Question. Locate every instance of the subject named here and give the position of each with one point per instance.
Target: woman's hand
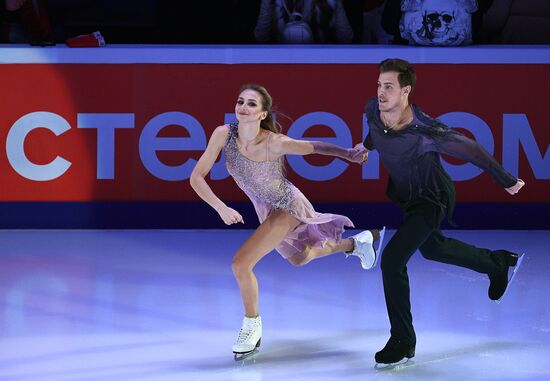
(515, 189)
(229, 215)
(359, 154)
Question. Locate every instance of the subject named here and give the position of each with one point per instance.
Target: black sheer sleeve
(451, 142)
(368, 143)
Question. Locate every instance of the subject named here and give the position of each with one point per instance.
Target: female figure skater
(255, 152)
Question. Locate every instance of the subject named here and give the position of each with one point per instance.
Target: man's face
(391, 96)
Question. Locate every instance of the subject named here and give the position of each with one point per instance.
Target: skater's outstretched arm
(203, 167)
(284, 145)
(449, 141)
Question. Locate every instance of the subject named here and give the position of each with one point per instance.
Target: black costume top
(411, 157)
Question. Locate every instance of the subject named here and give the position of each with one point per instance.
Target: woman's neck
(249, 135)
(248, 132)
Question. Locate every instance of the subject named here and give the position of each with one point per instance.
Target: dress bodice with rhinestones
(262, 181)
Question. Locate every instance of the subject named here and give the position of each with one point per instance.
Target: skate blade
(246, 355)
(379, 249)
(403, 363)
(516, 268)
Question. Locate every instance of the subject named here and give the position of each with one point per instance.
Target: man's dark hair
(406, 76)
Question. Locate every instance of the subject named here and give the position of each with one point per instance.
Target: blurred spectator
(354, 13)
(26, 21)
(436, 22)
(477, 20)
(372, 32)
(303, 22)
(391, 16)
(445, 17)
(269, 21)
(517, 22)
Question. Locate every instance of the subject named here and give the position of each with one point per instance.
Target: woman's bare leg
(330, 247)
(266, 237)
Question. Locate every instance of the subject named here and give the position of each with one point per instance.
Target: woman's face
(249, 107)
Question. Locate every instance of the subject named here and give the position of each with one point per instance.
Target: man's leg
(409, 237)
(452, 251)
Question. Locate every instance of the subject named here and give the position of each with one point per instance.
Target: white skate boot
(364, 247)
(249, 338)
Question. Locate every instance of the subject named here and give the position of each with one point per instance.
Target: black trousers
(421, 230)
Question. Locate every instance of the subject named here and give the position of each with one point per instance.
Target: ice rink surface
(124, 305)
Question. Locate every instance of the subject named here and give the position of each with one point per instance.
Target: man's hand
(515, 189)
(359, 154)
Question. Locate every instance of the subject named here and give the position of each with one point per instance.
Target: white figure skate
(249, 338)
(364, 247)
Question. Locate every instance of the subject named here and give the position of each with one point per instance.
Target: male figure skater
(409, 143)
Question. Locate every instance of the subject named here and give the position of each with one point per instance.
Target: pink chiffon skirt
(314, 230)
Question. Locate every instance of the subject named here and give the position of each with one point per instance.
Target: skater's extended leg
(360, 245)
(330, 247)
(493, 263)
(452, 251)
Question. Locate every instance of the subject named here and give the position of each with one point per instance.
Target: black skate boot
(395, 352)
(499, 279)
